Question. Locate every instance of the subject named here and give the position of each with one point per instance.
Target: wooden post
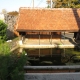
(51, 52)
(60, 36)
(51, 38)
(64, 35)
(20, 40)
(64, 44)
(64, 52)
(20, 50)
(39, 44)
(39, 52)
(39, 38)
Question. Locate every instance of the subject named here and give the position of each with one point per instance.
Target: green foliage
(4, 48)
(70, 54)
(3, 29)
(66, 3)
(11, 65)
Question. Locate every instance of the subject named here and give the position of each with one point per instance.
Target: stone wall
(10, 20)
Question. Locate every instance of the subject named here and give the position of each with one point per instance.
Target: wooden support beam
(51, 52)
(51, 38)
(64, 43)
(39, 38)
(64, 35)
(39, 52)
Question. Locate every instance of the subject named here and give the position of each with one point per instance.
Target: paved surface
(47, 42)
(52, 76)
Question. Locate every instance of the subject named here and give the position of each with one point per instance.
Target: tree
(3, 29)
(4, 11)
(65, 3)
(53, 3)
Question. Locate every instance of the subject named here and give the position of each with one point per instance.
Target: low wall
(52, 76)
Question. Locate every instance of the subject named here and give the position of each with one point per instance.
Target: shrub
(3, 29)
(11, 64)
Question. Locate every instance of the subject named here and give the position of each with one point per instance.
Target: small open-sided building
(43, 26)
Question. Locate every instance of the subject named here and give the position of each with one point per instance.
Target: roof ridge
(47, 8)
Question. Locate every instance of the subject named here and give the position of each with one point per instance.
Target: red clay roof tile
(56, 19)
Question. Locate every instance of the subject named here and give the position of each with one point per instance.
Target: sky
(14, 5)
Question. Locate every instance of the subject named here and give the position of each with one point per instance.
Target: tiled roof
(56, 19)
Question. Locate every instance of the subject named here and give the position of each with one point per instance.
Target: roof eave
(22, 30)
